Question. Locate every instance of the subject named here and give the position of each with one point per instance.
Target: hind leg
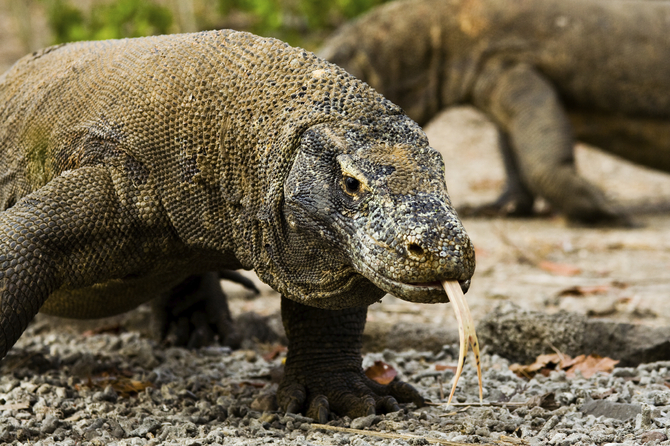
(195, 312)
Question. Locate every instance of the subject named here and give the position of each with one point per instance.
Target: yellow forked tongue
(466, 333)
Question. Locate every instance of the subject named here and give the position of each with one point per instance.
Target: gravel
(66, 388)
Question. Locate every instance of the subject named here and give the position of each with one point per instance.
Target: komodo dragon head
(372, 197)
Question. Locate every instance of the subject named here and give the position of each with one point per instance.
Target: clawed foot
(509, 204)
(323, 372)
(349, 394)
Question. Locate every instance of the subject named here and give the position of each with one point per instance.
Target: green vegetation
(109, 20)
(299, 22)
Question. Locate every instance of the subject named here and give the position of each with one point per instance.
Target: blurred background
(27, 25)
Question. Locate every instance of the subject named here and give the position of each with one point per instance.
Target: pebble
(204, 398)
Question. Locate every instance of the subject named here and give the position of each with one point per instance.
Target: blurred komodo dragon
(128, 166)
(544, 71)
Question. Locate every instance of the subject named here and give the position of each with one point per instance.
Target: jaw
(422, 292)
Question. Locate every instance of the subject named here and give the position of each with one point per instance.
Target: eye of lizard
(352, 185)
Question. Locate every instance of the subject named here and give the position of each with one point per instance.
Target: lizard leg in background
(525, 104)
(323, 371)
(69, 234)
(516, 200)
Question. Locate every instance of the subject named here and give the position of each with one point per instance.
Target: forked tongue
(466, 333)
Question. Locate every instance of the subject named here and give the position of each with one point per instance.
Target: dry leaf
(560, 269)
(123, 385)
(381, 372)
(276, 351)
(585, 290)
(443, 367)
(545, 364)
(591, 365)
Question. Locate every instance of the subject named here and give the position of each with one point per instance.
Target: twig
(523, 256)
(439, 381)
(561, 356)
(451, 414)
(484, 404)
(387, 435)
(513, 440)
(504, 440)
(14, 406)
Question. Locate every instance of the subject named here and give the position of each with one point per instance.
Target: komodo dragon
(129, 165)
(541, 70)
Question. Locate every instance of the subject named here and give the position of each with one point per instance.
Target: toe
(405, 393)
(387, 404)
(319, 409)
(292, 398)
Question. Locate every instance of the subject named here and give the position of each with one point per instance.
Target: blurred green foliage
(298, 22)
(110, 20)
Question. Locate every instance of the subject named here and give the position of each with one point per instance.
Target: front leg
(74, 232)
(323, 371)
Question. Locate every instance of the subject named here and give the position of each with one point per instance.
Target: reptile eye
(352, 185)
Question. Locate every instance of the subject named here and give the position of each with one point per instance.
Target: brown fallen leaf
(443, 367)
(276, 350)
(545, 364)
(591, 365)
(122, 385)
(466, 333)
(381, 372)
(585, 290)
(560, 269)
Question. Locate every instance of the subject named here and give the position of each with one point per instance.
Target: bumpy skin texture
(129, 167)
(545, 72)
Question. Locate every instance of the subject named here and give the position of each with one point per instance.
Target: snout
(416, 263)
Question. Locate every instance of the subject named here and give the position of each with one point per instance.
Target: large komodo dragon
(127, 166)
(544, 71)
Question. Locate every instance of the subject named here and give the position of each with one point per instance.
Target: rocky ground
(64, 384)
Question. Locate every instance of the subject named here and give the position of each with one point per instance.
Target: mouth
(465, 284)
(420, 292)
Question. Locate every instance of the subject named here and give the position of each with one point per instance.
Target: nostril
(415, 250)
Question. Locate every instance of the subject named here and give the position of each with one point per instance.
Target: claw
(293, 406)
(405, 393)
(370, 403)
(319, 409)
(387, 404)
(292, 398)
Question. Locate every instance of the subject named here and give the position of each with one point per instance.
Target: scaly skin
(131, 168)
(541, 70)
